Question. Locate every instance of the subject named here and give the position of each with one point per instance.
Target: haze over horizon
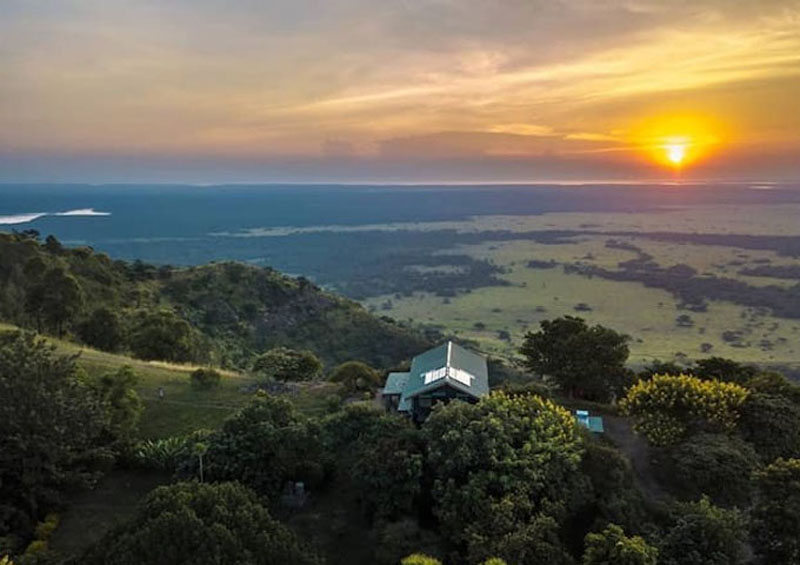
(398, 91)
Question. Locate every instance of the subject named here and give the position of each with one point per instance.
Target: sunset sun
(676, 153)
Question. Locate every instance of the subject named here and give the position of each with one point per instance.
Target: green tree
(587, 361)
(380, 456)
(163, 335)
(771, 423)
(726, 370)
(286, 364)
(776, 515)
(501, 469)
(613, 547)
(420, 559)
(264, 445)
(50, 432)
(103, 329)
(123, 407)
(666, 407)
(717, 465)
(356, 376)
(704, 534)
(199, 524)
(58, 297)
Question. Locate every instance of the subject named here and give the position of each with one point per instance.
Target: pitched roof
(395, 383)
(449, 364)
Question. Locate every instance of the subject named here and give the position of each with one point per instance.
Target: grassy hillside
(223, 313)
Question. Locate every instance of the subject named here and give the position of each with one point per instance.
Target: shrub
(286, 364)
(205, 378)
(356, 376)
(666, 407)
(612, 546)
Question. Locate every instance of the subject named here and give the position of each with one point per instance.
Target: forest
(699, 463)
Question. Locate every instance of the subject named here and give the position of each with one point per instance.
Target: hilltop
(221, 313)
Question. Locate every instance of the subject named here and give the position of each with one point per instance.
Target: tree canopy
(50, 437)
(502, 468)
(613, 547)
(776, 516)
(666, 407)
(286, 364)
(587, 361)
(198, 524)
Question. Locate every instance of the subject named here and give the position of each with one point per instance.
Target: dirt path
(620, 431)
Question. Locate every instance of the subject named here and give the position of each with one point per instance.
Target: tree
(103, 330)
(717, 465)
(264, 445)
(50, 432)
(771, 423)
(588, 361)
(380, 456)
(199, 524)
(726, 370)
(613, 547)
(116, 391)
(776, 515)
(420, 559)
(286, 364)
(205, 378)
(356, 376)
(501, 469)
(666, 407)
(704, 534)
(57, 298)
(163, 335)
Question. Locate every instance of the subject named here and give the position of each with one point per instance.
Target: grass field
(647, 314)
(184, 409)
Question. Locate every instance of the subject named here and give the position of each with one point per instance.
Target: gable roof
(449, 364)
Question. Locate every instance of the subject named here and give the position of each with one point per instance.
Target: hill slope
(222, 313)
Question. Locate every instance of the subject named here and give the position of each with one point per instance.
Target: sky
(398, 90)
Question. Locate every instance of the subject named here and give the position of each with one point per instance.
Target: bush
(666, 407)
(356, 376)
(716, 465)
(286, 364)
(205, 379)
(612, 546)
(704, 534)
(776, 515)
(202, 524)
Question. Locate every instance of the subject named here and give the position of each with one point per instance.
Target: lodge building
(440, 374)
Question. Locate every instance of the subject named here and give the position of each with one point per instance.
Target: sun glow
(676, 153)
(677, 141)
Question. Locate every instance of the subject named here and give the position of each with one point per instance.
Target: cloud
(286, 80)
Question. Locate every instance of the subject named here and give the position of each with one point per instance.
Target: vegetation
(776, 516)
(509, 479)
(613, 547)
(356, 376)
(587, 361)
(203, 524)
(54, 432)
(205, 378)
(223, 313)
(502, 471)
(666, 408)
(286, 364)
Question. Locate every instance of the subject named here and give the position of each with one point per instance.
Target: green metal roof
(451, 365)
(395, 383)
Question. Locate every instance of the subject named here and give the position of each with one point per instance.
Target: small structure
(591, 423)
(440, 374)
